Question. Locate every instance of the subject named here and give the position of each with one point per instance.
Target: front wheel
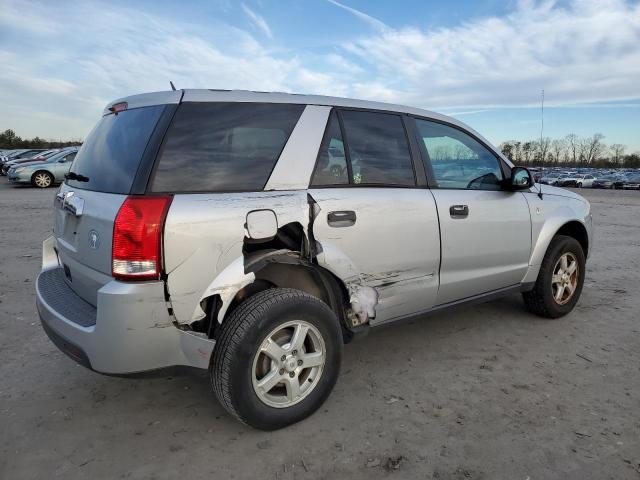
(277, 358)
(559, 283)
(42, 180)
(579, 185)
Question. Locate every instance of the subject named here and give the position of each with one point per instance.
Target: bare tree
(591, 148)
(558, 148)
(527, 151)
(507, 149)
(572, 147)
(542, 148)
(517, 152)
(617, 153)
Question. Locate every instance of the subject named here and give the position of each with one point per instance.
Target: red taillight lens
(137, 238)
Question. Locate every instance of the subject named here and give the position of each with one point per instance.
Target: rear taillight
(137, 238)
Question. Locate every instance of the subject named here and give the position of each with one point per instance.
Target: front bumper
(129, 331)
(18, 178)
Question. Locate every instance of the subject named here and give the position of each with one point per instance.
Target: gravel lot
(485, 392)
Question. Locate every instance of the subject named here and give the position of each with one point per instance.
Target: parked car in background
(604, 182)
(7, 154)
(39, 157)
(586, 181)
(44, 173)
(622, 178)
(632, 183)
(212, 229)
(550, 178)
(24, 154)
(14, 154)
(578, 180)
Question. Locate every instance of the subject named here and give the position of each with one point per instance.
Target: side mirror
(521, 179)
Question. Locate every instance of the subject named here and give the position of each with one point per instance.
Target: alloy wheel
(288, 364)
(564, 280)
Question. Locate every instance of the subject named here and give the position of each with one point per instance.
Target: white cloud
(123, 51)
(585, 52)
(257, 20)
(582, 52)
(372, 21)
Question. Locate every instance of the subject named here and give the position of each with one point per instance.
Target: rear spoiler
(146, 100)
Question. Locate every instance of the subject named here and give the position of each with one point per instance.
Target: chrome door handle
(459, 211)
(343, 218)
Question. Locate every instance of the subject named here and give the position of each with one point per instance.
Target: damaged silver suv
(253, 234)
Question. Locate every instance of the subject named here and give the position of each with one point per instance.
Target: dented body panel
(393, 247)
(204, 235)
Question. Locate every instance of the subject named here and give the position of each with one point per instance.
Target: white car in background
(585, 181)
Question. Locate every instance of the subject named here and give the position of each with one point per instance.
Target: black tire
(540, 300)
(240, 337)
(44, 173)
(579, 185)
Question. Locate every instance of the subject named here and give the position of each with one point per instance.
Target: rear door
(87, 204)
(376, 225)
(485, 231)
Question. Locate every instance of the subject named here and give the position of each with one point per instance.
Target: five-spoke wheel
(276, 358)
(560, 280)
(565, 278)
(289, 364)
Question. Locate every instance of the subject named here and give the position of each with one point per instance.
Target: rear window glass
(222, 147)
(110, 155)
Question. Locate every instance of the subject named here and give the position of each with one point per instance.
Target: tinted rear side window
(222, 147)
(378, 149)
(110, 155)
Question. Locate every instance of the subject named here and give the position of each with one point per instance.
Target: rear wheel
(579, 185)
(42, 179)
(277, 358)
(560, 280)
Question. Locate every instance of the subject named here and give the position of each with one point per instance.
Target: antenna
(541, 137)
(173, 87)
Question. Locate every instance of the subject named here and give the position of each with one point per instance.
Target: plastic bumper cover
(129, 331)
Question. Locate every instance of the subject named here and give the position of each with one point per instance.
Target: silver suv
(253, 234)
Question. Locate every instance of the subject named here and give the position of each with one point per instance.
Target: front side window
(458, 160)
(223, 147)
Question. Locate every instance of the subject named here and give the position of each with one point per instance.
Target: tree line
(9, 140)
(570, 151)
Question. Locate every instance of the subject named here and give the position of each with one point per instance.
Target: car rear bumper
(129, 331)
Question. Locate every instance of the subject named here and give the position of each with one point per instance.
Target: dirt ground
(484, 392)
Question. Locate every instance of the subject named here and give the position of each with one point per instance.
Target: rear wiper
(75, 176)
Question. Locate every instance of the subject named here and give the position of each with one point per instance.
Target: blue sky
(484, 62)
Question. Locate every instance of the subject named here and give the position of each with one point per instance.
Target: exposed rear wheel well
(307, 277)
(576, 230)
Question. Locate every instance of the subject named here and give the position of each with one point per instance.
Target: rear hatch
(112, 163)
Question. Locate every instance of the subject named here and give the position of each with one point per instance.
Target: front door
(485, 231)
